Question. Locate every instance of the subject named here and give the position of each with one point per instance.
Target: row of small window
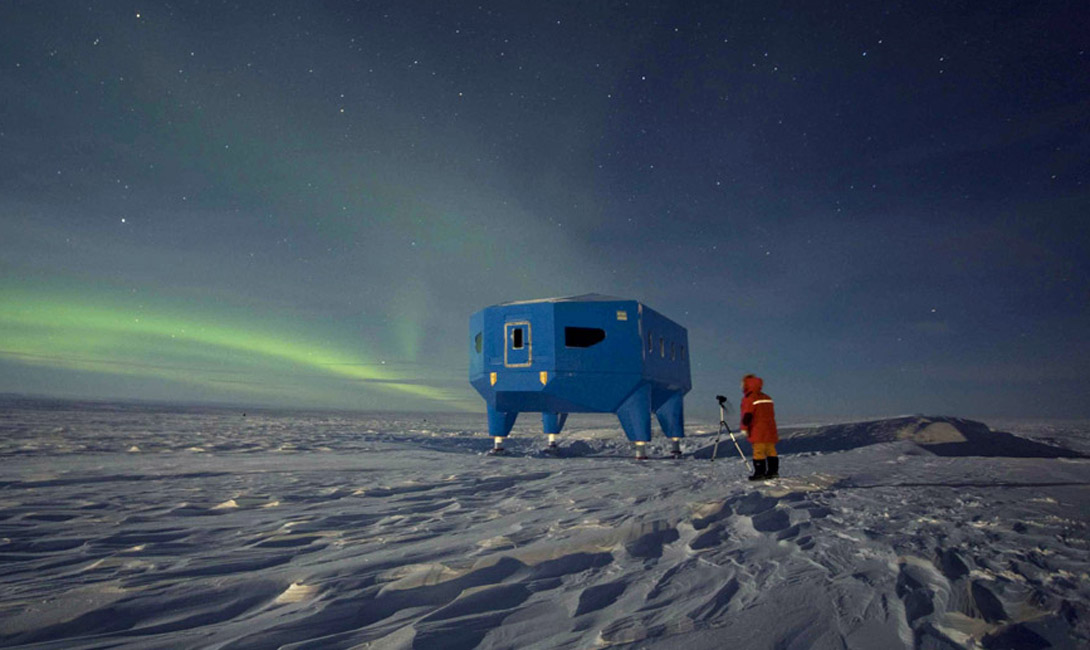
(675, 350)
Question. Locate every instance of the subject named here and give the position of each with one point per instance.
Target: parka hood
(752, 384)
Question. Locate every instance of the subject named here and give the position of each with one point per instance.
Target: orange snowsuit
(758, 418)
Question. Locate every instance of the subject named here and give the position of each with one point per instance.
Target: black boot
(759, 469)
(773, 467)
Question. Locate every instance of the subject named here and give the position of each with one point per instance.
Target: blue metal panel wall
(619, 351)
(476, 359)
(665, 361)
(539, 352)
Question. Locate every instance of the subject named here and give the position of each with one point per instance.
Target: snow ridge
(396, 531)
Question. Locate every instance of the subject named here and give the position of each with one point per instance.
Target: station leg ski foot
(497, 449)
(552, 449)
(675, 448)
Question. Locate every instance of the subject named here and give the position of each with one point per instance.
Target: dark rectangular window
(673, 352)
(683, 353)
(650, 342)
(477, 342)
(583, 337)
(516, 338)
(662, 347)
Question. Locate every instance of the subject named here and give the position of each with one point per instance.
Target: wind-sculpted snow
(150, 528)
(943, 436)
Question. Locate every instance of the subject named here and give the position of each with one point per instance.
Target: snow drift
(306, 530)
(942, 436)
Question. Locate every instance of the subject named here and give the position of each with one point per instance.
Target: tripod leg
(740, 452)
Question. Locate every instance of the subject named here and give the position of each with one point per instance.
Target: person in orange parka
(759, 426)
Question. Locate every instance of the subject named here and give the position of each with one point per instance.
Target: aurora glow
(881, 210)
(102, 338)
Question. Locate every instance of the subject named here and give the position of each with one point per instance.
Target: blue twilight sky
(879, 207)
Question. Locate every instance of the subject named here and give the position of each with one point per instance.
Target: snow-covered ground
(136, 526)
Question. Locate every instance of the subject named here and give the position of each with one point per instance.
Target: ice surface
(131, 526)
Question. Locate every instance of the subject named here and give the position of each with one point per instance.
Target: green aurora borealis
(65, 332)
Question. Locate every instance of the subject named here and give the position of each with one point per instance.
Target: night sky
(882, 208)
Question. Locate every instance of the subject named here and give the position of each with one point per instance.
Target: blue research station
(580, 354)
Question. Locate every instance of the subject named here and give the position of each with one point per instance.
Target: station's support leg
(499, 425)
(552, 423)
(671, 417)
(635, 416)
